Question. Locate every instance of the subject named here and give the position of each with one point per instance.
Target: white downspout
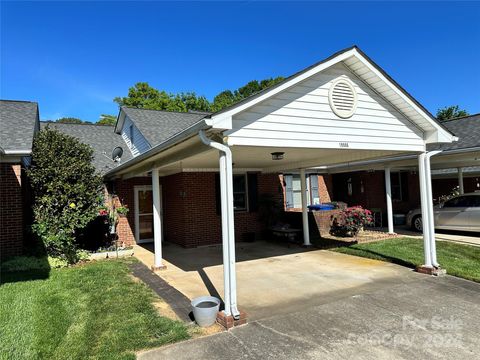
(388, 191)
(431, 219)
(228, 227)
(424, 206)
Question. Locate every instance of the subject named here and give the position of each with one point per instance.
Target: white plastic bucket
(205, 309)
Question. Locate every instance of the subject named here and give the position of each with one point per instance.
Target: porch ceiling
(259, 158)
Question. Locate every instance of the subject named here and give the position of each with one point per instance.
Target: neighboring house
(19, 121)
(198, 178)
(453, 168)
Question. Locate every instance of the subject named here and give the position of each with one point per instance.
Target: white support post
(424, 206)
(460, 180)
(431, 219)
(388, 190)
(231, 235)
(303, 190)
(157, 220)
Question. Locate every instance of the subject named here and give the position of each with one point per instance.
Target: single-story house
(19, 121)
(205, 173)
(200, 178)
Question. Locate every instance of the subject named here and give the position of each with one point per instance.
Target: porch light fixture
(277, 155)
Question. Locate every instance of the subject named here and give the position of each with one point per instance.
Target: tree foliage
(106, 119)
(69, 120)
(142, 95)
(450, 112)
(67, 191)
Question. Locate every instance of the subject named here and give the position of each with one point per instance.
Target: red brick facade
(190, 216)
(368, 190)
(11, 210)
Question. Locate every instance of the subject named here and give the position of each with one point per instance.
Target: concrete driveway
(437, 318)
(273, 279)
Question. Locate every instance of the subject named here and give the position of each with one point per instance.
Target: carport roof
(358, 63)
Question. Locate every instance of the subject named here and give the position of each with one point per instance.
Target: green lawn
(459, 260)
(92, 311)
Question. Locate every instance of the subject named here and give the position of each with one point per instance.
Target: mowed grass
(92, 311)
(459, 260)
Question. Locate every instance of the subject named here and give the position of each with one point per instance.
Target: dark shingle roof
(466, 128)
(101, 138)
(158, 126)
(18, 123)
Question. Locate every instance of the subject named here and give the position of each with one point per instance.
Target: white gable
(138, 144)
(383, 108)
(301, 116)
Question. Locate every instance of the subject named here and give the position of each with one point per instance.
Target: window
(240, 192)
(293, 192)
(131, 134)
(399, 184)
(461, 201)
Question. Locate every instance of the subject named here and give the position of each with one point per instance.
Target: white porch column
(424, 206)
(303, 190)
(388, 190)
(431, 218)
(157, 220)
(460, 180)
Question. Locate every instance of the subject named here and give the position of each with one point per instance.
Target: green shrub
(67, 191)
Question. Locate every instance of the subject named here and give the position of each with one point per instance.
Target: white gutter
(17, 152)
(431, 224)
(228, 227)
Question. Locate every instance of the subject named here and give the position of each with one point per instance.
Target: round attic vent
(343, 98)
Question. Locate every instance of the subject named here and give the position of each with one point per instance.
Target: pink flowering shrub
(350, 221)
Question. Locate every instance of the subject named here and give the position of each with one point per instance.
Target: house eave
(143, 159)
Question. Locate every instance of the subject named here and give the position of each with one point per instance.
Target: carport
(343, 109)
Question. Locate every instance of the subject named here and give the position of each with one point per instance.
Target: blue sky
(74, 58)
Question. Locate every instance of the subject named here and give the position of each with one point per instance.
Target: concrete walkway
(461, 237)
(436, 318)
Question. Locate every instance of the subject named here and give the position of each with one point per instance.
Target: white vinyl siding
(139, 144)
(302, 117)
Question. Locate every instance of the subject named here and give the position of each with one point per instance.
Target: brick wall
(373, 195)
(190, 214)
(444, 186)
(11, 210)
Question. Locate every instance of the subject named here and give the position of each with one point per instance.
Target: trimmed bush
(67, 191)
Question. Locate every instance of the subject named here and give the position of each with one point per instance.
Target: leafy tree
(69, 120)
(142, 95)
(67, 191)
(106, 119)
(450, 112)
(227, 97)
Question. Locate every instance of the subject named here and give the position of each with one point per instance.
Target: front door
(144, 214)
